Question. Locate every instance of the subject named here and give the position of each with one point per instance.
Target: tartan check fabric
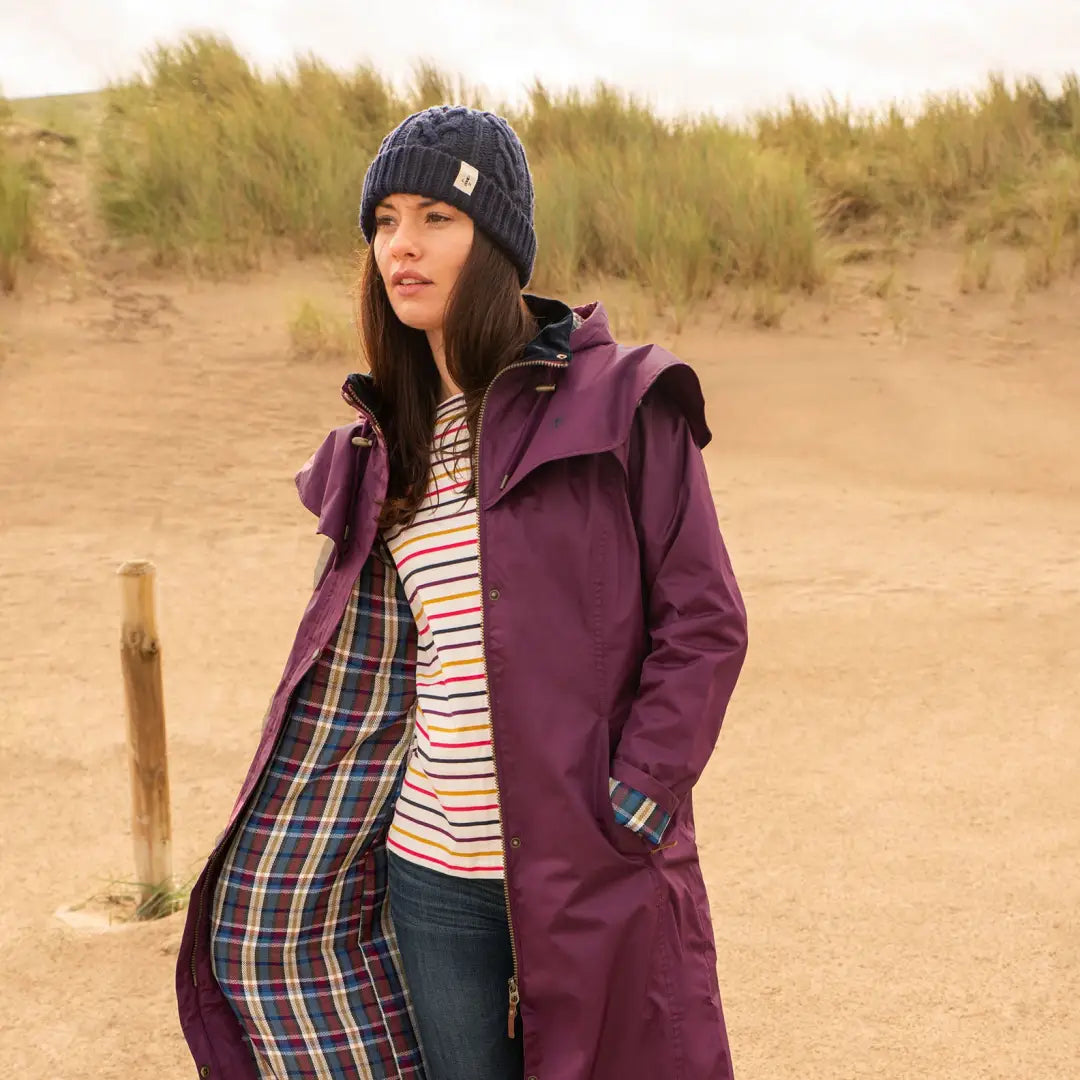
(302, 945)
(637, 812)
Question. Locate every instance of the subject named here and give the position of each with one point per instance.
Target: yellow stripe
(457, 596)
(458, 477)
(443, 847)
(471, 727)
(450, 794)
(429, 536)
(431, 673)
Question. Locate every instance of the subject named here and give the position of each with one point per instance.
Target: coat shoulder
(611, 381)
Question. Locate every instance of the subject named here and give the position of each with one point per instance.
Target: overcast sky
(728, 56)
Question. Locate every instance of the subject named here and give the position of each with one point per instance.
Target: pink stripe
(449, 487)
(428, 551)
(451, 614)
(440, 862)
(459, 745)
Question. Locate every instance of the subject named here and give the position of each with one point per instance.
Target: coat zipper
(198, 918)
(370, 417)
(514, 994)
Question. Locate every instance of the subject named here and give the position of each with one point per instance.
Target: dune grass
(316, 334)
(211, 165)
(1001, 166)
(17, 206)
(677, 209)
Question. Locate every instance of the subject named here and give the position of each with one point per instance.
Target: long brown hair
(486, 327)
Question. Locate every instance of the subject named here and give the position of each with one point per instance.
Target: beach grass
(206, 163)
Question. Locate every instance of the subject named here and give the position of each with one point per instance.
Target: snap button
(494, 594)
(359, 440)
(204, 1070)
(560, 356)
(315, 655)
(515, 841)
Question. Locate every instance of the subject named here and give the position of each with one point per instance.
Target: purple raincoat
(614, 634)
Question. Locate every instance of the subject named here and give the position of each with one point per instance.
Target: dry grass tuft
(767, 307)
(976, 272)
(18, 173)
(316, 335)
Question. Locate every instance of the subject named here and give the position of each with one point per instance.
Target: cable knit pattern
(423, 156)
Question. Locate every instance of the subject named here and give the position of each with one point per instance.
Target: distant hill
(71, 114)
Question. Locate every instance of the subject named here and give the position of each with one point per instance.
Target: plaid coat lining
(302, 943)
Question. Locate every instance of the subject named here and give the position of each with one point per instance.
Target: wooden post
(140, 658)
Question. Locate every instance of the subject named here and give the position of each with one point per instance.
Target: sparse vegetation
(316, 335)
(977, 267)
(120, 901)
(17, 206)
(767, 307)
(211, 165)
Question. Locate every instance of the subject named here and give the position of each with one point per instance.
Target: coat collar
(599, 386)
(559, 326)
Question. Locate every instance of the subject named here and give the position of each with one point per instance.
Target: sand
(890, 826)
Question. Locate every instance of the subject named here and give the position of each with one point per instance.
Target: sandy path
(891, 825)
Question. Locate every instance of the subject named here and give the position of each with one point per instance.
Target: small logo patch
(466, 178)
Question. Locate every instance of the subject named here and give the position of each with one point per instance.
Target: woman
(465, 847)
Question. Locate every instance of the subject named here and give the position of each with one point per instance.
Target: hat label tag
(466, 178)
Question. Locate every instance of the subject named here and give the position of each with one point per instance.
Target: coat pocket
(624, 839)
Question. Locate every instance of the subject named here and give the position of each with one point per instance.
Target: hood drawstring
(528, 429)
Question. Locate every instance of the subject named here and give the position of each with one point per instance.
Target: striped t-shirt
(447, 816)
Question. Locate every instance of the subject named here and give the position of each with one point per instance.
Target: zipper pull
(515, 997)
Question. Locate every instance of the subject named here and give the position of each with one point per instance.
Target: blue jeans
(455, 952)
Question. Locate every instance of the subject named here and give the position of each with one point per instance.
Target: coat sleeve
(694, 612)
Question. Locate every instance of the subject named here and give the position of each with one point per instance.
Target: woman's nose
(403, 242)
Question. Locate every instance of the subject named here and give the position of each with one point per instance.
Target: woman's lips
(411, 290)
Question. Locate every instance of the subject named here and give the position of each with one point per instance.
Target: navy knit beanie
(465, 157)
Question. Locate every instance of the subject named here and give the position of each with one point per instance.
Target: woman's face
(420, 240)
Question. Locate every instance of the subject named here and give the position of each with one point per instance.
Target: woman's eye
(436, 217)
(380, 221)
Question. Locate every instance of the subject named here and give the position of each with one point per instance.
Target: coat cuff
(637, 812)
(652, 789)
